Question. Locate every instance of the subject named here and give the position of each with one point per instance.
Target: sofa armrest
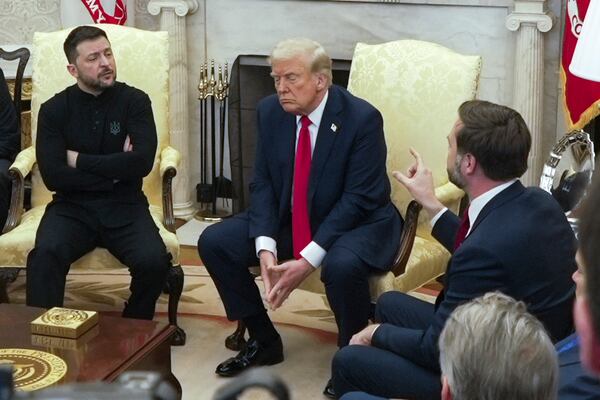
(169, 160)
(19, 169)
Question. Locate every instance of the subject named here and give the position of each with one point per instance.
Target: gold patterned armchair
(143, 62)
(418, 87)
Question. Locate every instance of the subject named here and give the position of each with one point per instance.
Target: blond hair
(318, 60)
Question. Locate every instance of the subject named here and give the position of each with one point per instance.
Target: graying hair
(318, 59)
(491, 348)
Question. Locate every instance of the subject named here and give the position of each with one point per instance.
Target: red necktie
(462, 229)
(300, 222)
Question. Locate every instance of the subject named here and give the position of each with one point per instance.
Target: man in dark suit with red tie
(331, 208)
(512, 239)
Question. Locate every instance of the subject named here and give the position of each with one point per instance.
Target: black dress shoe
(328, 391)
(253, 354)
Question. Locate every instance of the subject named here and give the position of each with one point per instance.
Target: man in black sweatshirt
(96, 141)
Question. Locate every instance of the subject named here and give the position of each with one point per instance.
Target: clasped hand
(281, 279)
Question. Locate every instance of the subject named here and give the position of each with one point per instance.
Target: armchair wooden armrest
(169, 160)
(19, 169)
(407, 238)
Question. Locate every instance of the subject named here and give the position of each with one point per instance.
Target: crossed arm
(65, 169)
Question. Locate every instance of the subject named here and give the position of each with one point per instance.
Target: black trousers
(227, 251)
(5, 187)
(67, 232)
(381, 372)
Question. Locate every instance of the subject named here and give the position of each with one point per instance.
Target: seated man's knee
(210, 239)
(347, 367)
(47, 254)
(346, 357)
(386, 301)
(342, 266)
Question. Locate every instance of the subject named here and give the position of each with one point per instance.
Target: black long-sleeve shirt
(10, 138)
(96, 127)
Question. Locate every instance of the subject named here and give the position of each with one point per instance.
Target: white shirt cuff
(314, 254)
(437, 216)
(265, 243)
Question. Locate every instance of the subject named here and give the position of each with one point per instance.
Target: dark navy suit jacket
(575, 383)
(522, 245)
(349, 190)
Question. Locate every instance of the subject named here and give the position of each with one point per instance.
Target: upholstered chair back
(142, 60)
(418, 87)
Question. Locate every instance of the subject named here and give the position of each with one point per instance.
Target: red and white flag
(581, 96)
(80, 12)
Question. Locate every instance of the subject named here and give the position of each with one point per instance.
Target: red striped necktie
(463, 228)
(301, 234)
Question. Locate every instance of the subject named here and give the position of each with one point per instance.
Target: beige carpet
(107, 292)
(305, 323)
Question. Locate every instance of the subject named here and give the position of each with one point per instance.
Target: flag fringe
(586, 117)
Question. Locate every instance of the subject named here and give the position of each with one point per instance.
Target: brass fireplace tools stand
(212, 88)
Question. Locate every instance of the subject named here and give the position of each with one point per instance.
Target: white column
(530, 20)
(172, 19)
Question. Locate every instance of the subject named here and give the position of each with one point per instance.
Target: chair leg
(175, 288)
(236, 340)
(7, 276)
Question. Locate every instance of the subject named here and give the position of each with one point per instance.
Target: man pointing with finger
(320, 196)
(511, 239)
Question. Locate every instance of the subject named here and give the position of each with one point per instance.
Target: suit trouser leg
(346, 280)
(227, 251)
(384, 373)
(60, 240)
(400, 309)
(140, 247)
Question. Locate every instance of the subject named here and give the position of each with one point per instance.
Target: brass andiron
(212, 88)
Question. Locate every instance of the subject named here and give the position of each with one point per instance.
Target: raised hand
(419, 182)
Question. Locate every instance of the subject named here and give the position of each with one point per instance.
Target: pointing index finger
(416, 155)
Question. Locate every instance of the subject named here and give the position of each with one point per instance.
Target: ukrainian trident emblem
(115, 127)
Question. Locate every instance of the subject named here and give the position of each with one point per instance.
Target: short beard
(455, 176)
(98, 84)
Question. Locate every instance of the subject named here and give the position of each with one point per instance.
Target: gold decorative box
(65, 342)
(64, 322)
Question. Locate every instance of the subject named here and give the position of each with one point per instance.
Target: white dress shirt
(477, 204)
(313, 253)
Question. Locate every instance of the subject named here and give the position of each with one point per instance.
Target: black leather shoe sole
(328, 391)
(234, 366)
(249, 357)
